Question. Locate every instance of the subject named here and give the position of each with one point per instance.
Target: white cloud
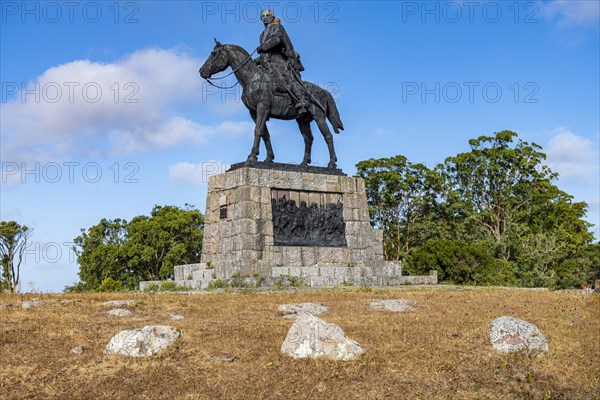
(573, 12)
(85, 108)
(593, 204)
(577, 161)
(229, 107)
(573, 157)
(235, 129)
(196, 173)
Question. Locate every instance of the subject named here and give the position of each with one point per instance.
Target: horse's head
(216, 62)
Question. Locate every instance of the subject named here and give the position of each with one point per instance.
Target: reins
(232, 72)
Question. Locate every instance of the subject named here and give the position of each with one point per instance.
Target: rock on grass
(119, 303)
(392, 305)
(311, 337)
(143, 342)
(292, 310)
(120, 312)
(509, 335)
(31, 303)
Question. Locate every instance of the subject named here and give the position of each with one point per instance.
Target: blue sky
(103, 113)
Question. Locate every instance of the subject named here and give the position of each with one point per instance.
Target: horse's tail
(333, 115)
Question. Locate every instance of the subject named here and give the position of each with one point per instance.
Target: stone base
(198, 277)
(239, 235)
(240, 241)
(287, 167)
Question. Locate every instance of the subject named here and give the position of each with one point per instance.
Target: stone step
(389, 269)
(319, 277)
(338, 273)
(204, 274)
(193, 271)
(383, 269)
(196, 284)
(145, 284)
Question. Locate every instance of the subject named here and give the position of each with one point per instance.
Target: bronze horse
(264, 102)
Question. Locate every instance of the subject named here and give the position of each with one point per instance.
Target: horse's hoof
(269, 159)
(332, 165)
(251, 159)
(305, 163)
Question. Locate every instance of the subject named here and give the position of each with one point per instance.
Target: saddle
(278, 85)
(279, 89)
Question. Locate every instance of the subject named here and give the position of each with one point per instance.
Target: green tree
(496, 186)
(496, 202)
(99, 251)
(401, 197)
(170, 236)
(146, 248)
(554, 244)
(13, 242)
(501, 194)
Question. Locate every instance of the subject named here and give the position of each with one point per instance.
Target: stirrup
(302, 108)
(302, 111)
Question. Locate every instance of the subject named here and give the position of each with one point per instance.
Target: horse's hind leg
(308, 140)
(266, 137)
(322, 124)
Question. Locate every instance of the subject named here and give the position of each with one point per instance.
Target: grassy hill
(441, 351)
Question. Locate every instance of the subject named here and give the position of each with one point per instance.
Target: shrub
(151, 288)
(259, 279)
(168, 286)
(79, 287)
(110, 285)
(295, 282)
(216, 284)
(237, 280)
(460, 263)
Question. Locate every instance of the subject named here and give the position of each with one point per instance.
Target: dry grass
(442, 351)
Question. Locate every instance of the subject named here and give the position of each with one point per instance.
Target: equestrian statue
(273, 88)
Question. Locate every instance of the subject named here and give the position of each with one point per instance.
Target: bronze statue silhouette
(281, 60)
(264, 101)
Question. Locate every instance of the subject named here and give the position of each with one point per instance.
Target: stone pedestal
(309, 225)
(239, 236)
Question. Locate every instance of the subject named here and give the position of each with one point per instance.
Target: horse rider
(278, 57)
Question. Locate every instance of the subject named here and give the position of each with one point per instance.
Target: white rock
(31, 303)
(227, 358)
(78, 350)
(119, 303)
(292, 310)
(509, 335)
(143, 342)
(312, 337)
(120, 312)
(176, 317)
(392, 305)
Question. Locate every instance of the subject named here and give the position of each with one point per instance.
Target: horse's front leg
(266, 139)
(259, 126)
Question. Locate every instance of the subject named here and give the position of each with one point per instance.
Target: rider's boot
(301, 98)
